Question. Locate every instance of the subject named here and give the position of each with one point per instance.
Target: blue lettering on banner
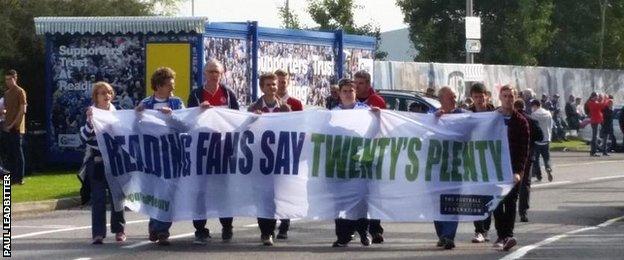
(246, 164)
(266, 164)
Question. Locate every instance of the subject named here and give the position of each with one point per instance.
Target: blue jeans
(15, 155)
(446, 229)
(98, 204)
(544, 151)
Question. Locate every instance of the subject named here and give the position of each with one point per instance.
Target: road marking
(550, 184)
(147, 242)
(607, 178)
(44, 226)
(586, 163)
(524, 250)
(70, 229)
(83, 258)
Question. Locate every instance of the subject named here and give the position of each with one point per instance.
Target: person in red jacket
(364, 91)
(595, 106)
(283, 80)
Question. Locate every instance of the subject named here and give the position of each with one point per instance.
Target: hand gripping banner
(315, 164)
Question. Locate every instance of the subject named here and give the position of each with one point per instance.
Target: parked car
(411, 101)
(585, 133)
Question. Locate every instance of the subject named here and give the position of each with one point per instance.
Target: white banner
(316, 164)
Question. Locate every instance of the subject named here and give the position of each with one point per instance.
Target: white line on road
(550, 184)
(83, 258)
(524, 250)
(69, 229)
(607, 177)
(587, 163)
(44, 226)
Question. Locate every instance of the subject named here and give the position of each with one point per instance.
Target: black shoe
(339, 244)
(4, 171)
(594, 155)
(448, 244)
(440, 243)
(377, 238)
(605, 154)
(226, 234)
(282, 235)
(365, 240)
(523, 218)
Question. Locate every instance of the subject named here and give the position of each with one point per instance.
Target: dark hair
(160, 76)
(11, 72)
(478, 88)
(344, 82)
(519, 104)
(535, 102)
(362, 74)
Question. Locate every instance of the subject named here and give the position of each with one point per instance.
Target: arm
(520, 148)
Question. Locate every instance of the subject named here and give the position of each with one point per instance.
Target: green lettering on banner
(444, 173)
(344, 156)
(411, 171)
(356, 143)
(381, 143)
(433, 157)
(495, 151)
(317, 139)
(395, 148)
(470, 170)
(457, 150)
(481, 146)
(366, 161)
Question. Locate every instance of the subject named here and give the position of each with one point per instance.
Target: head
(578, 100)
(519, 105)
(268, 84)
(10, 78)
(535, 105)
(163, 81)
(507, 96)
(282, 82)
(571, 98)
(213, 72)
(334, 91)
(447, 98)
(478, 93)
(347, 91)
(362, 81)
(593, 96)
(102, 94)
(430, 92)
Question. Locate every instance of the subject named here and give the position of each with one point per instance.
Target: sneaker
(267, 240)
(478, 238)
(440, 243)
(98, 240)
(120, 237)
(550, 177)
(485, 236)
(605, 154)
(282, 235)
(499, 242)
(509, 243)
(377, 238)
(338, 244)
(365, 240)
(163, 239)
(226, 234)
(449, 244)
(523, 218)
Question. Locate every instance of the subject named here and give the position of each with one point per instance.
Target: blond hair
(101, 85)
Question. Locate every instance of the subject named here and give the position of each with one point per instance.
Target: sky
(383, 13)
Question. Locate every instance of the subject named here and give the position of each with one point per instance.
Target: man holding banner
(213, 94)
(446, 230)
(518, 135)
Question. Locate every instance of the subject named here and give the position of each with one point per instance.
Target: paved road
(568, 219)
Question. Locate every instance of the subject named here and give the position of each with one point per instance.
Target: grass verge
(46, 186)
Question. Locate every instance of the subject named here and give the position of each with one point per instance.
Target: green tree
(513, 32)
(289, 18)
(21, 49)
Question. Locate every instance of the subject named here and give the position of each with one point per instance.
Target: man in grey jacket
(545, 121)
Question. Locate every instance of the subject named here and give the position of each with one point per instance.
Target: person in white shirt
(545, 121)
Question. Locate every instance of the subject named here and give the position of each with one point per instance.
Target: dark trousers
(594, 139)
(284, 225)
(542, 150)
(98, 204)
(200, 226)
(446, 229)
(267, 226)
(344, 229)
(608, 136)
(525, 189)
(373, 226)
(159, 227)
(15, 155)
(483, 226)
(505, 214)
